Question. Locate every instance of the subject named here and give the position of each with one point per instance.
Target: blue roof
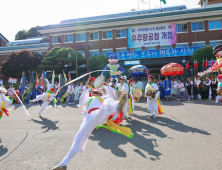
(32, 40)
(24, 46)
(133, 17)
(170, 8)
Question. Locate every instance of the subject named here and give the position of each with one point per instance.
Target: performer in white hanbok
(47, 97)
(76, 93)
(98, 108)
(219, 96)
(152, 104)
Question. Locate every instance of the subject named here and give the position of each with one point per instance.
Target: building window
(124, 49)
(81, 37)
(198, 26)
(82, 52)
(164, 47)
(182, 46)
(214, 25)
(215, 43)
(109, 50)
(56, 39)
(107, 35)
(181, 28)
(120, 33)
(40, 53)
(93, 36)
(150, 48)
(198, 44)
(68, 38)
(93, 52)
(135, 49)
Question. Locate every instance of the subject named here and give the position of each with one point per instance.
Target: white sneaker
(178, 99)
(31, 101)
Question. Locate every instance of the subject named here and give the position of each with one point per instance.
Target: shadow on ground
(3, 150)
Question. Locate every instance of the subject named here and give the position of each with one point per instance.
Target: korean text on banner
(12, 80)
(152, 35)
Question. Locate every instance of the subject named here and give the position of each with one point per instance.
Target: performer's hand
(48, 100)
(119, 72)
(1, 91)
(105, 84)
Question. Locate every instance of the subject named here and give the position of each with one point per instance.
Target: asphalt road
(188, 136)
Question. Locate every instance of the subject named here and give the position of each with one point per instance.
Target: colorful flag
(164, 1)
(37, 79)
(63, 92)
(203, 64)
(42, 82)
(31, 88)
(65, 79)
(206, 63)
(23, 86)
(69, 77)
(53, 75)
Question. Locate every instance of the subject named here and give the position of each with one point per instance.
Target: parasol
(138, 71)
(172, 69)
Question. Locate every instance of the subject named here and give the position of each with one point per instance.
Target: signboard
(12, 80)
(135, 62)
(164, 34)
(169, 52)
(1, 81)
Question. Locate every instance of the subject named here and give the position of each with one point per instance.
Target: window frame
(147, 48)
(181, 29)
(199, 42)
(107, 34)
(93, 36)
(124, 48)
(68, 38)
(214, 25)
(120, 32)
(92, 51)
(57, 39)
(80, 34)
(197, 27)
(107, 49)
(216, 41)
(136, 48)
(186, 43)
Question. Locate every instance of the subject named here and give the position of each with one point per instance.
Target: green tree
(17, 62)
(32, 32)
(57, 60)
(21, 35)
(202, 54)
(97, 62)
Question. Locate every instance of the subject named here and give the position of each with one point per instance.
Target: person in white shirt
(182, 91)
(76, 93)
(189, 85)
(98, 108)
(81, 88)
(71, 92)
(152, 104)
(139, 85)
(174, 88)
(198, 89)
(208, 91)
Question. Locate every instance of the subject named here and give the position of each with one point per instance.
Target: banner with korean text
(146, 36)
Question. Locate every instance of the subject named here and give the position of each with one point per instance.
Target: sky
(19, 15)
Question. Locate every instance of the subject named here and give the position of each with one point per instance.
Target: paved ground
(188, 136)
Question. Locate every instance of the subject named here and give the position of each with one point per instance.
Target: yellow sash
(2, 106)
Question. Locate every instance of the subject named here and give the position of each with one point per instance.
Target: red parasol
(172, 69)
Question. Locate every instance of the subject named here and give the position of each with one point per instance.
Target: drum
(137, 94)
(98, 82)
(45, 98)
(3, 90)
(103, 91)
(219, 92)
(151, 93)
(119, 93)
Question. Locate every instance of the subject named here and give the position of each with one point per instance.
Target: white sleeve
(48, 84)
(208, 84)
(125, 88)
(5, 99)
(83, 99)
(187, 84)
(155, 87)
(146, 89)
(191, 82)
(51, 97)
(110, 92)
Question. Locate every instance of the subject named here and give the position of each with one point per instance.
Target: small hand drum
(137, 94)
(119, 93)
(219, 92)
(3, 90)
(98, 82)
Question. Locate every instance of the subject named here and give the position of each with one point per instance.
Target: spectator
(139, 85)
(81, 88)
(10, 92)
(76, 93)
(71, 94)
(174, 88)
(182, 90)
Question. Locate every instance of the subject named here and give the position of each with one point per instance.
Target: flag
(37, 79)
(53, 75)
(164, 1)
(143, 1)
(206, 63)
(69, 77)
(23, 86)
(212, 62)
(63, 92)
(65, 79)
(203, 64)
(31, 88)
(42, 82)
(187, 65)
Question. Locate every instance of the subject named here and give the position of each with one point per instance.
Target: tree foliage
(32, 32)
(202, 53)
(97, 62)
(57, 58)
(17, 62)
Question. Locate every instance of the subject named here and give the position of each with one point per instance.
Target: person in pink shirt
(70, 92)
(182, 91)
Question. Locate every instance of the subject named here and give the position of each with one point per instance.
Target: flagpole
(138, 7)
(160, 6)
(149, 5)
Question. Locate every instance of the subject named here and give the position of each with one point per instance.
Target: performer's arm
(209, 82)
(155, 87)
(106, 68)
(110, 92)
(121, 69)
(125, 88)
(47, 84)
(51, 97)
(5, 99)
